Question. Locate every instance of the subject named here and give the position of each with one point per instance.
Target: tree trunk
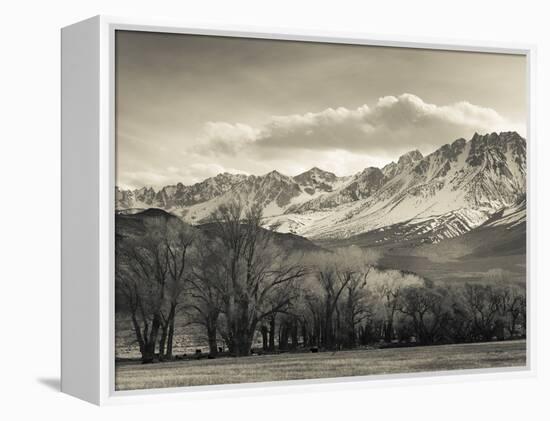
(272, 333)
(327, 339)
(388, 331)
(294, 334)
(211, 330)
(170, 340)
(240, 329)
(242, 344)
(499, 330)
(162, 341)
(283, 336)
(338, 329)
(148, 354)
(171, 329)
(137, 331)
(240, 340)
(264, 332)
(305, 339)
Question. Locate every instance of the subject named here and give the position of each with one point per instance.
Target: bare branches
(234, 279)
(246, 272)
(151, 269)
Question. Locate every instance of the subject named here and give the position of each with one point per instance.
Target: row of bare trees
(234, 280)
(228, 277)
(347, 301)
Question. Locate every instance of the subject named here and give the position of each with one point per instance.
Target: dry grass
(131, 375)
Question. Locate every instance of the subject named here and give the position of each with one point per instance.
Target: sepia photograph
(292, 210)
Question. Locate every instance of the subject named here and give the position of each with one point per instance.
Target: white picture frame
(88, 186)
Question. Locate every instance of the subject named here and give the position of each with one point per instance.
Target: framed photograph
(246, 208)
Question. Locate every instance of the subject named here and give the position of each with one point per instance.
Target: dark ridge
(152, 212)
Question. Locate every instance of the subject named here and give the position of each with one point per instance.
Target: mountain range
(426, 199)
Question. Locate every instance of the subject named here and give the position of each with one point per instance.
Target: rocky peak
(315, 180)
(406, 160)
(390, 170)
(371, 172)
(274, 173)
(275, 176)
(457, 146)
(495, 143)
(448, 152)
(365, 183)
(495, 139)
(410, 157)
(315, 175)
(145, 190)
(228, 177)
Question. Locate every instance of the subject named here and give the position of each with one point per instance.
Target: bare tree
(142, 271)
(427, 310)
(512, 308)
(387, 286)
(258, 277)
(207, 291)
(313, 317)
(356, 307)
(483, 304)
(345, 268)
(460, 324)
(151, 265)
(178, 241)
(333, 283)
(390, 294)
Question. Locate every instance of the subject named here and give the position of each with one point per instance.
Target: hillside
(133, 224)
(497, 246)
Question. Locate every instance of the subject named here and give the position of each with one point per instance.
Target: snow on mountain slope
(316, 180)
(274, 191)
(509, 217)
(450, 191)
(352, 189)
(443, 195)
(177, 196)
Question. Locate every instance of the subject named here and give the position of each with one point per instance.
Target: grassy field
(133, 375)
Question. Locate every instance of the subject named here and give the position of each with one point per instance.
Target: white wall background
(29, 230)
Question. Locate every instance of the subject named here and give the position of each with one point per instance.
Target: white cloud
(340, 140)
(393, 124)
(226, 137)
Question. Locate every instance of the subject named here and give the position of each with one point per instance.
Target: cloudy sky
(190, 107)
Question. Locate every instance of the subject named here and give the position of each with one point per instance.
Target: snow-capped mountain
(446, 193)
(316, 180)
(442, 195)
(177, 196)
